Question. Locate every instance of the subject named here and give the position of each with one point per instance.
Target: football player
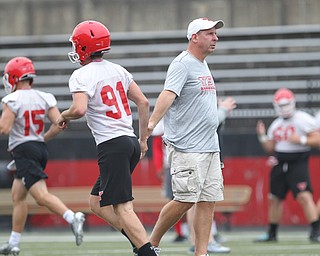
(289, 139)
(23, 119)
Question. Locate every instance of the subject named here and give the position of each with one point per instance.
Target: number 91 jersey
(30, 107)
(106, 85)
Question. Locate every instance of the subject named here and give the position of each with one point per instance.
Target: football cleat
(314, 237)
(180, 238)
(157, 250)
(213, 247)
(77, 227)
(136, 252)
(8, 249)
(266, 238)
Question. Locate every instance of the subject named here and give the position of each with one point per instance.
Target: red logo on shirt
(207, 84)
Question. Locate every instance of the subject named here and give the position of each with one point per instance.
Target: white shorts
(196, 177)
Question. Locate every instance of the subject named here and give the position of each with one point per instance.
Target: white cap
(202, 24)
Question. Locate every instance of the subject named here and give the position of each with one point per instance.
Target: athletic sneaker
(180, 239)
(213, 247)
(8, 249)
(157, 250)
(77, 227)
(136, 252)
(219, 239)
(266, 238)
(314, 237)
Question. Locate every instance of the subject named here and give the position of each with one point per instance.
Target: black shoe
(266, 238)
(136, 252)
(314, 237)
(179, 239)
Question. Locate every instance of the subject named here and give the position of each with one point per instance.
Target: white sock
(185, 229)
(68, 216)
(214, 229)
(14, 238)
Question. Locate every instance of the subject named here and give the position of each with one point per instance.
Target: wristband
(263, 138)
(303, 140)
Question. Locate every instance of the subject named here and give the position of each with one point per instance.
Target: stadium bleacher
(248, 64)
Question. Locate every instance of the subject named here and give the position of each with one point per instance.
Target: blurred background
(47, 17)
(265, 45)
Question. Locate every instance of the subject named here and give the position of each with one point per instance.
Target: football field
(111, 243)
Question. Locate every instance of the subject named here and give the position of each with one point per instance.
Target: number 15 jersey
(30, 107)
(106, 85)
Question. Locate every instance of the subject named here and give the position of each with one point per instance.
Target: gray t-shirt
(191, 122)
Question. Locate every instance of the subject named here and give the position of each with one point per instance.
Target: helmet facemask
(285, 110)
(284, 103)
(9, 88)
(73, 55)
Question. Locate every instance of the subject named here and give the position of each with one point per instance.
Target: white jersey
(106, 84)
(30, 107)
(300, 123)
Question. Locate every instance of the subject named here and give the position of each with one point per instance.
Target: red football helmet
(87, 38)
(17, 69)
(284, 102)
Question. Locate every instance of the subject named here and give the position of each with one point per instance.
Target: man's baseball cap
(202, 24)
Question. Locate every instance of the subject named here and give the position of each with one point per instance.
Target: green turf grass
(111, 243)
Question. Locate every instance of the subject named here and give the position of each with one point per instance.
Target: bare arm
(312, 139)
(142, 103)
(164, 101)
(53, 115)
(6, 120)
(225, 107)
(77, 109)
(267, 145)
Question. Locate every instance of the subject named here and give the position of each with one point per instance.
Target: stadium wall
(45, 17)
